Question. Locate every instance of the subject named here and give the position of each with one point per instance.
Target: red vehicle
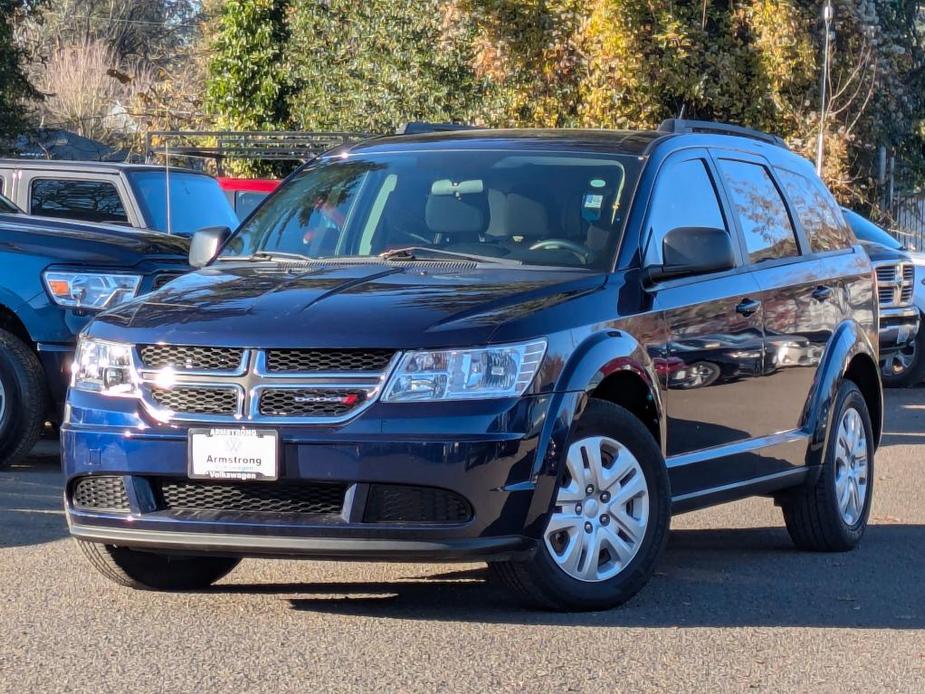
(245, 194)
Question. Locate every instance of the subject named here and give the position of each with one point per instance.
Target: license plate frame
(254, 445)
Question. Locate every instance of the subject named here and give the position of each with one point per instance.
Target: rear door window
(762, 214)
(684, 197)
(84, 200)
(817, 211)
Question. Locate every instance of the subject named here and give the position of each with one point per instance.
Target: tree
(248, 77)
(14, 87)
(369, 66)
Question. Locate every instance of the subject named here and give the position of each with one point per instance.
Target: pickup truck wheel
(831, 516)
(609, 521)
(23, 399)
(151, 571)
(906, 367)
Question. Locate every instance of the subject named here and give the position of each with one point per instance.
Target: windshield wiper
(413, 253)
(265, 255)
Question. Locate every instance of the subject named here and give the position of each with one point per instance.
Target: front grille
(895, 285)
(186, 358)
(100, 493)
(309, 402)
(327, 360)
(252, 497)
(887, 273)
(163, 278)
(394, 503)
(197, 400)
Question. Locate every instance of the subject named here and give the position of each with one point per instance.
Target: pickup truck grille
(895, 285)
(241, 385)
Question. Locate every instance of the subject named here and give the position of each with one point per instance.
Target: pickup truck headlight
(501, 371)
(93, 291)
(104, 367)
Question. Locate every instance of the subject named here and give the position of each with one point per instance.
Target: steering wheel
(577, 249)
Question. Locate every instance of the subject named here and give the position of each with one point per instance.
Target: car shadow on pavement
(710, 578)
(31, 509)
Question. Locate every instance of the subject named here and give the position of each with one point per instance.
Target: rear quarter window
(817, 211)
(84, 200)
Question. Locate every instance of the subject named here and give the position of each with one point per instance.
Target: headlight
(502, 371)
(92, 291)
(104, 367)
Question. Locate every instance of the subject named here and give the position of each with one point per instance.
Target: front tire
(151, 571)
(831, 516)
(608, 524)
(23, 399)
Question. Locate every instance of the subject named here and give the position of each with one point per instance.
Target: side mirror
(690, 251)
(205, 245)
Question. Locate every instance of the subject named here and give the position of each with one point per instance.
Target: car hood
(879, 253)
(92, 244)
(343, 305)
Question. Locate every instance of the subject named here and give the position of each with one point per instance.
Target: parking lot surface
(733, 607)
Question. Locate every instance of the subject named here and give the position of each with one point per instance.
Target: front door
(716, 346)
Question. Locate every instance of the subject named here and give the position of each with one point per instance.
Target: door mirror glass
(206, 244)
(690, 251)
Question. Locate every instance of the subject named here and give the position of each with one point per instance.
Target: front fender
(848, 341)
(600, 355)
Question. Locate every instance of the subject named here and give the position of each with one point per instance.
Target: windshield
(196, 201)
(867, 231)
(534, 208)
(7, 207)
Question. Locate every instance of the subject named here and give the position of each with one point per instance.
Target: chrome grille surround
(895, 284)
(249, 382)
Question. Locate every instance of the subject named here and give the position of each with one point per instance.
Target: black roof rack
(420, 127)
(679, 125)
(268, 145)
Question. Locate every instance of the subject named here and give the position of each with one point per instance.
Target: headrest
(451, 214)
(526, 217)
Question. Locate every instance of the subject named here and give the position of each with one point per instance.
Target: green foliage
(14, 87)
(249, 84)
(370, 65)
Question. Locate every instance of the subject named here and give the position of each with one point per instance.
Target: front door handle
(747, 307)
(822, 293)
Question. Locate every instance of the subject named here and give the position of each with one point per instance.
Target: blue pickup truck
(56, 275)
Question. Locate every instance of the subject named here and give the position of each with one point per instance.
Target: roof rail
(420, 127)
(679, 125)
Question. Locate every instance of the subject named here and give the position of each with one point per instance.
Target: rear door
(801, 301)
(715, 350)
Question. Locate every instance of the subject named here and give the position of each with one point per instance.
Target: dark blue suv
(56, 275)
(525, 347)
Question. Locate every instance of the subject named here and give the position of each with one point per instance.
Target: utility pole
(827, 14)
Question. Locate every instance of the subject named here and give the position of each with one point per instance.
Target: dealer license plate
(233, 454)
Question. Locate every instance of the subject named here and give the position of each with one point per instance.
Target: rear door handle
(822, 293)
(747, 307)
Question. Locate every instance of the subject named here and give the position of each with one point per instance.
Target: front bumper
(500, 457)
(898, 328)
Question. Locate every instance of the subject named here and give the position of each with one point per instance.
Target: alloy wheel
(897, 363)
(601, 510)
(851, 466)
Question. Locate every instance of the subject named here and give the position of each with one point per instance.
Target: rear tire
(23, 399)
(831, 515)
(150, 571)
(606, 530)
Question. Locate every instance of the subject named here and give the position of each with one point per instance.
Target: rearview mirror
(205, 245)
(690, 251)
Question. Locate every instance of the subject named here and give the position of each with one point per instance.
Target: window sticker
(591, 208)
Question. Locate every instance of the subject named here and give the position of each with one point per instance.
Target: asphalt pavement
(733, 607)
